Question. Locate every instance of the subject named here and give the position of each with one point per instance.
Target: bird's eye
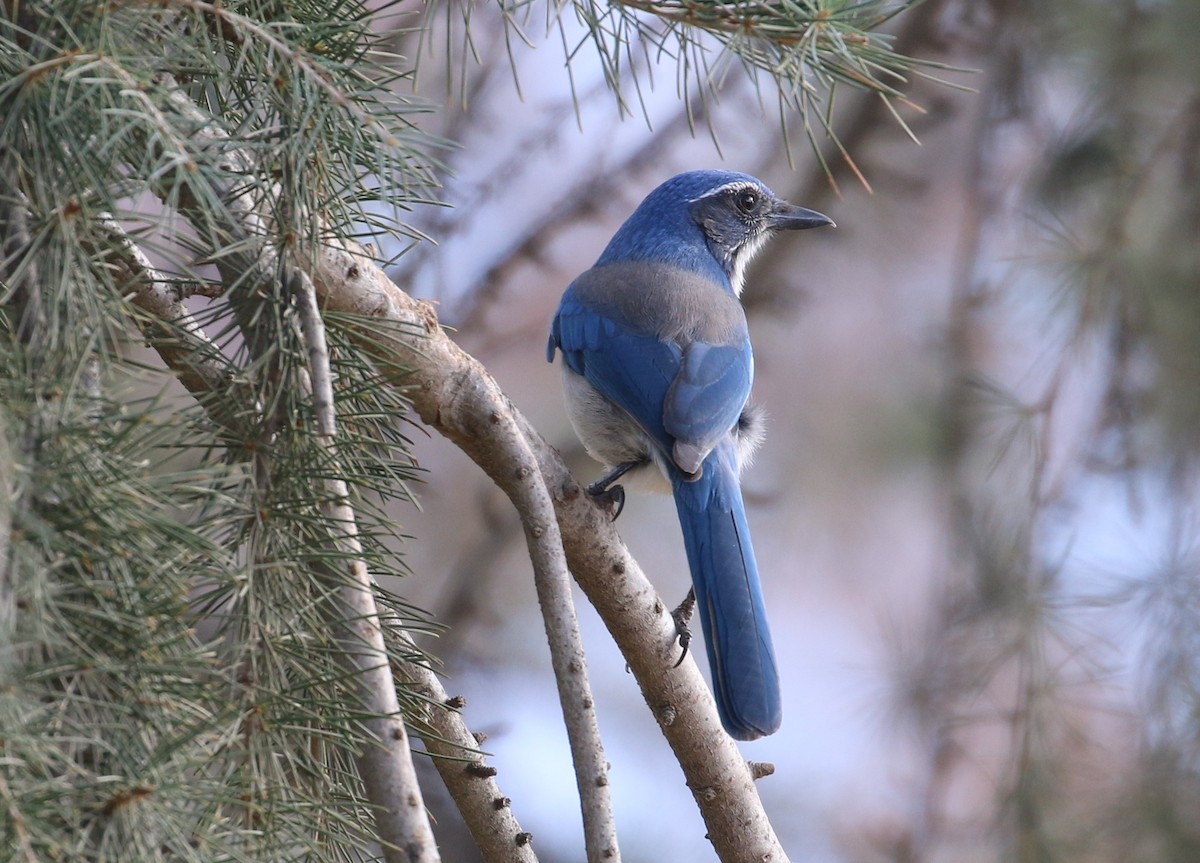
(746, 200)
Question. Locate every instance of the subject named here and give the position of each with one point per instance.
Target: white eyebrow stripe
(728, 187)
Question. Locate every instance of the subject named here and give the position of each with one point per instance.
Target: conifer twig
(469, 779)
(169, 325)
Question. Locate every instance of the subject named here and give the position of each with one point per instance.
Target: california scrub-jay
(657, 368)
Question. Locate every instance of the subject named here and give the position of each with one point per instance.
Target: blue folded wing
(689, 393)
(708, 393)
(632, 370)
(692, 393)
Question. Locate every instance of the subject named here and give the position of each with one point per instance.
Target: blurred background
(975, 510)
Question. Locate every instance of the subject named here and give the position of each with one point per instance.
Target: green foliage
(807, 50)
(170, 686)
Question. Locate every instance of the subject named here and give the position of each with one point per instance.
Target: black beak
(788, 217)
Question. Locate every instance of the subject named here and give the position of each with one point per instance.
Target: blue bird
(657, 369)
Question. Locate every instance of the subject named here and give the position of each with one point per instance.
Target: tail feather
(729, 597)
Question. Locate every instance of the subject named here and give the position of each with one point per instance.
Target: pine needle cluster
(170, 685)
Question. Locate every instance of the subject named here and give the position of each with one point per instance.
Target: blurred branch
(452, 392)
(581, 203)
(460, 600)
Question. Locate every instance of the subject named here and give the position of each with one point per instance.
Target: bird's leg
(609, 496)
(681, 615)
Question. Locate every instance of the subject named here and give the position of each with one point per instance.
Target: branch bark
(468, 777)
(454, 394)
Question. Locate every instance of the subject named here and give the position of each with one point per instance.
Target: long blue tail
(729, 597)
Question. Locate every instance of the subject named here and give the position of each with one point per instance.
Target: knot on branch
(429, 318)
(759, 769)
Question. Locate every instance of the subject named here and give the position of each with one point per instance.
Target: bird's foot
(605, 491)
(610, 498)
(681, 615)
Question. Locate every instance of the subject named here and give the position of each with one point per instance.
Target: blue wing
(690, 391)
(708, 394)
(632, 370)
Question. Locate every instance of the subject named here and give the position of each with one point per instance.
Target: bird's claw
(681, 615)
(610, 498)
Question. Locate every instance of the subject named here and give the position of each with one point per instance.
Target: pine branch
(169, 325)
(391, 784)
(485, 809)
(454, 394)
(387, 771)
(806, 48)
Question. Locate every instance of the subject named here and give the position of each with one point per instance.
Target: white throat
(744, 255)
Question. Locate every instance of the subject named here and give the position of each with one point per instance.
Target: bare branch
(170, 327)
(313, 328)
(454, 393)
(471, 782)
(387, 772)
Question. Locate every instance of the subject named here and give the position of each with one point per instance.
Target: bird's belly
(609, 435)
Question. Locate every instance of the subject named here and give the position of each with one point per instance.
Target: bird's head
(706, 220)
